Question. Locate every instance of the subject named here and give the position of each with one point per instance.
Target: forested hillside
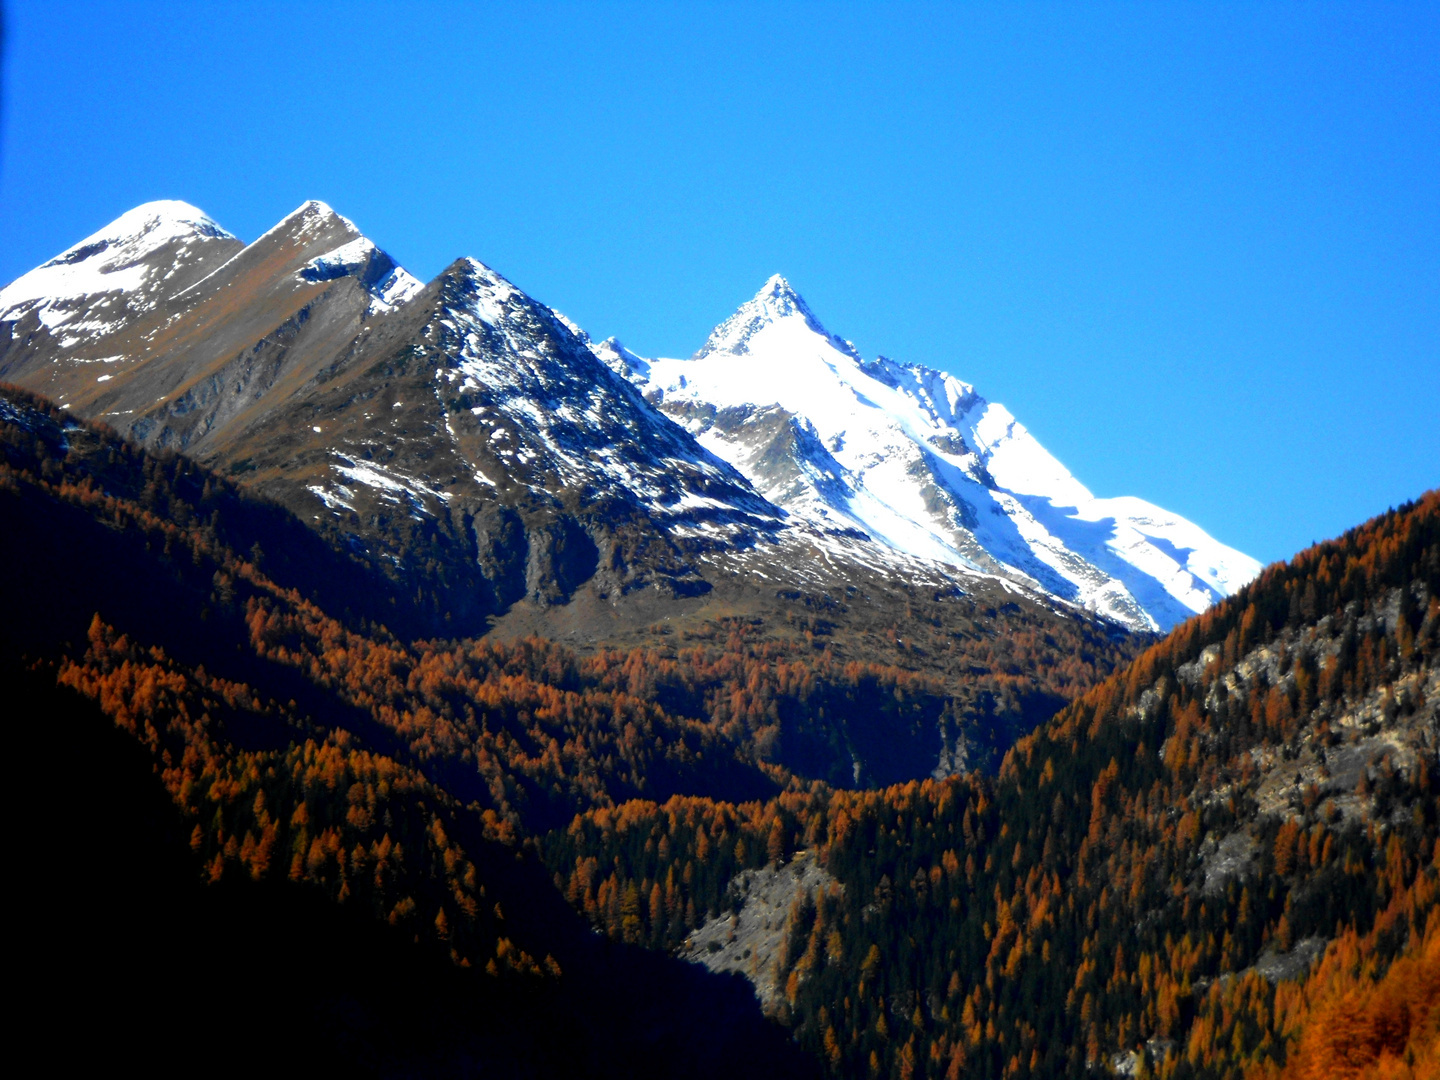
(1146, 879)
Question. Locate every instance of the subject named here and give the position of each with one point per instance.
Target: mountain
(917, 461)
(458, 432)
(243, 806)
(1216, 857)
(777, 687)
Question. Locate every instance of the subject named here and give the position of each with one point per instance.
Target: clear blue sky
(1194, 248)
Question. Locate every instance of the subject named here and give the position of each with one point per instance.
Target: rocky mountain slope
(917, 461)
(237, 821)
(458, 434)
(775, 680)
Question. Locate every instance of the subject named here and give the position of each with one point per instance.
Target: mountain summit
(775, 304)
(917, 462)
(460, 435)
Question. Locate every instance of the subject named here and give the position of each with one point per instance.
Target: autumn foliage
(1045, 922)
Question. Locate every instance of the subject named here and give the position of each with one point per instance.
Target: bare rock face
(1227, 860)
(1280, 966)
(1340, 750)
(750, 938)
(459, 435)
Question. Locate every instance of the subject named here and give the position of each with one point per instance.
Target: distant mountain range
(464, 433)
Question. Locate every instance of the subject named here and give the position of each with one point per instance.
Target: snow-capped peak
(778, 292)
(152, 223)
(308, 219)
(87, 290)
(488, 295)
(108, 259)
(776, 303)
(355, 255)
(920, 463)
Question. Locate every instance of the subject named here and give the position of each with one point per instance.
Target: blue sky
(1194, 248)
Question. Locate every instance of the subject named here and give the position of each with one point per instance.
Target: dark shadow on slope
(62, 567)
(288, 551)
(128, 960)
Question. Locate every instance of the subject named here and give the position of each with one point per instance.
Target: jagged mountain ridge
(457, 430)
(918, 461)
(463, 436)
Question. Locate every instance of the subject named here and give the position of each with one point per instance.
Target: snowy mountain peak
(776, 304)
(484, 292)
(916, 461)
(150, 224)
(776, 288)
(884, 462)
(310, 219)
(319, 245)
(109, 260)
(333, 247)
(127, 268)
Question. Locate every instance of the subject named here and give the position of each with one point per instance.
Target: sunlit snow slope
(920, 463)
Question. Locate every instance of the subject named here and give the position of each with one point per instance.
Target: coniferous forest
(267, 815)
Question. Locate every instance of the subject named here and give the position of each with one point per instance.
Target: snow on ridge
(552, 406)
(389, 480)
(614, 355)
(153, 222)
(342, 261)
(312, 214)
(109, 260)
(360, 258)
(571, 325)
(775, 302)
(396, 288)
(489, 291)
(391, 484)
